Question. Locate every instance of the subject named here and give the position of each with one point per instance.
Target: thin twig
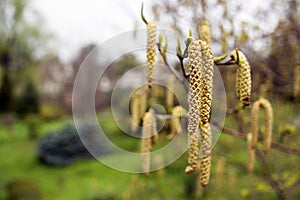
(176, 74)
(180, 57)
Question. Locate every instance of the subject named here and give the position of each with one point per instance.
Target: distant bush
(23, 189)
(65, 146)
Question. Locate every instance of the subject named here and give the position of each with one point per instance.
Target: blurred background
(43, 43)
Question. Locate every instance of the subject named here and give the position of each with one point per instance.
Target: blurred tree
(19, 43)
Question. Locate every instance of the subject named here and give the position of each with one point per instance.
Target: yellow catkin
(243, 77)
(175, 124)
(204, 32)
(205, 160)
(265, 104)
(254, 123)
(134, 110)
(142, 104)
(154, 132)
(251, 152)
(268, 123)
(138, 107)
(169, 92)
(151, 52)
(146, 145)
(297, 83)
(195, 63)
(206, 78)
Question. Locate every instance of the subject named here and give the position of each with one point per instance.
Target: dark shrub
(62, 148)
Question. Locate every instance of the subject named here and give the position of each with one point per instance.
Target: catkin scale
(151, 52)
(243, 76)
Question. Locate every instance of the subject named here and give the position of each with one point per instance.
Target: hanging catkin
(204, 32)
(146, 146)
(138, 107)
(251, 152)
(297, 83)
(134, 110)
(169, 91)
(206, 77)
(268, 123)
(195, 63)
(243, 76)
(175, 125)
(205, 160)
(151, 52)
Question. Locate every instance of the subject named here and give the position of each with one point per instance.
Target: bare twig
(176, 74)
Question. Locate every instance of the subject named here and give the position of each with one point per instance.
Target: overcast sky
(78, 22)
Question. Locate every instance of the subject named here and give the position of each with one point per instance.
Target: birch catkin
(175, 125)
(205, 161)
(268, 123)
(297, 83)
(243, 77)
(195, 63)
(146, 146)
(206, 78)
(265, 104)
(134, 110)
(205, 32)
(169, 92)
(151, 52)
(251, 152)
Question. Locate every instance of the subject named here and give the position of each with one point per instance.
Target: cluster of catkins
(201, 68)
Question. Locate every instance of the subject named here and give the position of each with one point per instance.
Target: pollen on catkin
(251, 152)
(151, 52)
(146, 146)
(268, 123)
(243, 76)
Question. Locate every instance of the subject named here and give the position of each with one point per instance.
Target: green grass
(90, 179)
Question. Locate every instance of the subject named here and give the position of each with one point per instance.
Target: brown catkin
(205, 160)
(268, 123)
(297, 83)
(146, 145)
(195, 63)
(251, 152)
(151, 52)
(243, 77)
